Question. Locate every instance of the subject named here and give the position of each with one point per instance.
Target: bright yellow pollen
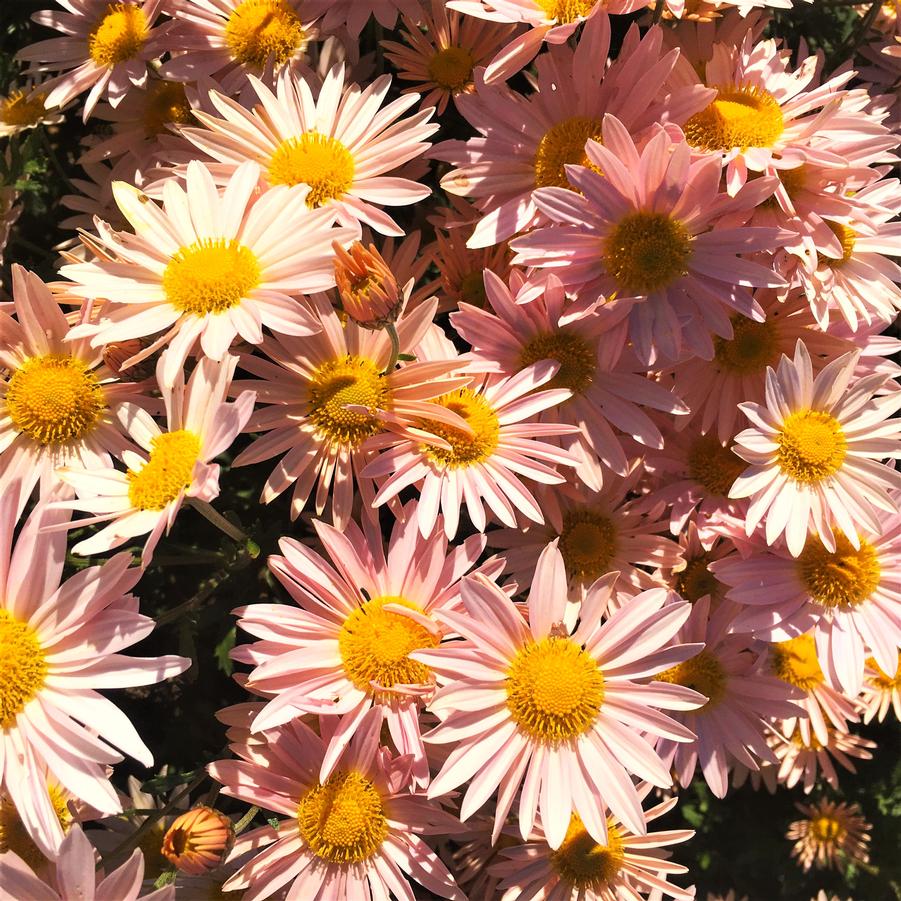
(466, 450)
(826, 829)
(22, 667)
(165, 104)
(119, 34)
(583, 864)
(20, 109)
(740, 117)
(338, 383)
(577, 359)
(561, 144)
(845, 577)
(317, 160)
(343, 821)
(847, 238)
(54, 399)
(795, 662)
(168, 472)
(812, 446)
(646, 252)
(713, 466)
(752, 347)
(374, 644)
(565, 11)
(260, 30)
(210, 276)
(14, 836)
(588, 544)
(554, 690)
(451, 68)
(703, 673)
(696, 580)
(882, 680)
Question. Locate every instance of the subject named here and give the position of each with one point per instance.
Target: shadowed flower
(831, 835)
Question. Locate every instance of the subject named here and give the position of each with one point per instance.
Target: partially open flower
(199, 840)
(368, 289)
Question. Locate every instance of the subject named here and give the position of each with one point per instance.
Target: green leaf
(221, 653)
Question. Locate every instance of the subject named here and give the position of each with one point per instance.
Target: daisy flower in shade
(209, 267)
(556, 710)
(58, 400)
(832, 834)
(741, 697)
(645, 229)
(813, 452)
(354, 14)
(61, 643)
(802, 760)
(355, 834)
(691, 578)
(23, 108)
(107, 48)
(342, 144)
(440, 53)
(881, 691)
(308, 386)
(175, 464)
(483, 465)
(75, 877)
(463, 269)
(582, 869)
(362, 611)
(607, 396)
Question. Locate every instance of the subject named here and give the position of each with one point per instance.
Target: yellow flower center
(472, 289)
(451, 68)
(826, 829)
(882, 681)
(260, 30)
(588, 543)
(465, 450)
(582, 863)
(703, 673)
(565, 11)
(740, 117)
(317, 160)
(14, 836)
(564, 143)
(696, 580)
(812, 446)
(54, 399)
(646, 251)
(575, 355)
(713, 466)
(18, 109)
(845, 577)
(795, 662)
(22, 667)
(554, 690)
(165, 104)
(375, 643)
(847, 238)
(342, 382)
(168, 472)
(343, 821)
(210, 276)
(752, 347)
(119, 34)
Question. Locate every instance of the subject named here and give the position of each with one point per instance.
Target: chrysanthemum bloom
(58, 399)
(691, 578)
(645, 229)
(553, 709)
(198, 841)
(441, 52)
(462, 269)
(583, 869)
(607, 393)
(741, 697)
(309, 384)
(526, 140)
(360, 616)
(342, 144)
(209, 267)
(369, 292)
(107, 47)
(354, 14)
(147, 497)
(75, 877)
(352, 835)
(804, 760)
(60, 644)
(23, 108)
(830, 835)
(485, 464)
(881, 691)
(813, 452)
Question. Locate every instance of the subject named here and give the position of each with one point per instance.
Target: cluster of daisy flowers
(562, 327)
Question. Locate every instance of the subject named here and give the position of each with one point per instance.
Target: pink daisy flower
(813, 452)
(645, 230)
(176, 464)
(361, 614)
(342, 144)
(556, 710)
(60, 644)
(209, 267)
(802, 761)
(692, 578)
(462, 269)
(354, 14)
(107, 48)
(355, 834)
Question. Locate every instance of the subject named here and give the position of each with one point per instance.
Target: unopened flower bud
(199, 840)
(369, 291)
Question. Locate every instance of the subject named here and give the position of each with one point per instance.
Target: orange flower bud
(369, 291)
(199, 840)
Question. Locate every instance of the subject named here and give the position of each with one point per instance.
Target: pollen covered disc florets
(168, 472)
(812, 446)
(317, 160)
(742, 116)
(120, 34)
(588, 543)
(577, 358)
(23, 667)
(704, 673)
(585, 864)
(562, 144)
(465, 450)
(844, 577)
(261, 30)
